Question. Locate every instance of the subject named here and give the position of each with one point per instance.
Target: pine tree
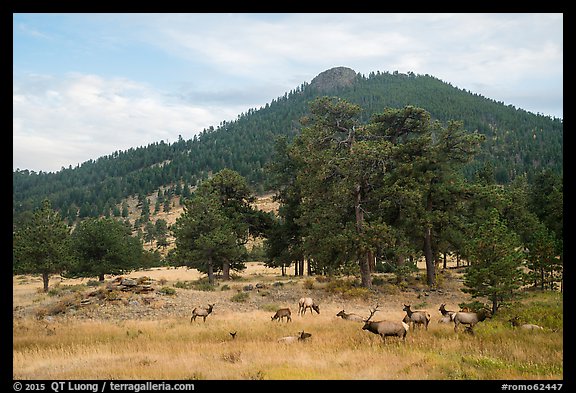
(104, 246)
(40, 245)
(496, 262)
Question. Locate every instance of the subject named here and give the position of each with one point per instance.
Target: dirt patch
(172, 293)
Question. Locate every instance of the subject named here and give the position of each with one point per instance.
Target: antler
(372, 312)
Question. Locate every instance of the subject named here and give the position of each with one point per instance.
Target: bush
(347, 288)
(240, 297)
(183, 284)
(167, 291)
(308, 283)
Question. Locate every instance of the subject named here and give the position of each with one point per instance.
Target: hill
(518, 142)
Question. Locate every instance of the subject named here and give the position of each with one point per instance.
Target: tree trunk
(363, 259)
(445, 261)
(430, 268)
(428, 254)
(295, 268)
(365, 271)
(301, 262)
(45, 279)
(101, 277)
(210, 272)
(226, 271)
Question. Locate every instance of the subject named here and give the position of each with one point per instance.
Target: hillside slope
(518, 142)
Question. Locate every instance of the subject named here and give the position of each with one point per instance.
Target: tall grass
(178, 349)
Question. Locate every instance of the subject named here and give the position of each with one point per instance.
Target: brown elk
(201, 312)
(350, 316)
(515, 321)
(385, 328)
(292, 339)
(470, 318)
(281, 313)
(421, 317)
(305, 303)
(447, 315)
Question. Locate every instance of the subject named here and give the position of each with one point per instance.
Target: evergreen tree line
(517, 143)
(355, 197)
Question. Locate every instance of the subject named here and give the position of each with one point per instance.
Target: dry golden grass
(68, 347)
(338, 349)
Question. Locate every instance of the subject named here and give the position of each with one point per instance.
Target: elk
(292, 339)
(350, 316)
(201, 312)
(469, 318)
(305, 303)
(421, 317)
(281, 313)
(515, 321)
(447, 316)
(385, 328)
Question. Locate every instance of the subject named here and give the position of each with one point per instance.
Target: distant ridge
(333, 78)
(518, 143)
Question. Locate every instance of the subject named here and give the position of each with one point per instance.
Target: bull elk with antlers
(385, 328)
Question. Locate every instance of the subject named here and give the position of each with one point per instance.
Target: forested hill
(517, 142)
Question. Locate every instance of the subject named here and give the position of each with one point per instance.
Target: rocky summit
(333, 78)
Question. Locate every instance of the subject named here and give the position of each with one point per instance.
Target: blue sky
(88, 84)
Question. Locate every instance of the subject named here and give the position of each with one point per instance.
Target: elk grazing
(350, 316)
(305, 303)
(447, 316)
(292, 339)
(421, 317)
(201, 312)
(469, 318)
(515, 321)
(385, 328)
(281, 313)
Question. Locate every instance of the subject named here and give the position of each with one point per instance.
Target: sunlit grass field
(176, 349)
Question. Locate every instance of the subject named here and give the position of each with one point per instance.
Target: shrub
(347, 288)
(183, 284)
(167, 291)
(358, 292)
(240, 297)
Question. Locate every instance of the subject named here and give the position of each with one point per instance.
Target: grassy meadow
(67, 348)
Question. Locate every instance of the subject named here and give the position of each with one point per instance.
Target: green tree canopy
(40, 244)
(104, 246)
(496, 261)
(205, 237)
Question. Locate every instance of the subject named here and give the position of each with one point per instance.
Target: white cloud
(80, 117)
(202, 69)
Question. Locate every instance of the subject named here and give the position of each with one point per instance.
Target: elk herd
(385, 327)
